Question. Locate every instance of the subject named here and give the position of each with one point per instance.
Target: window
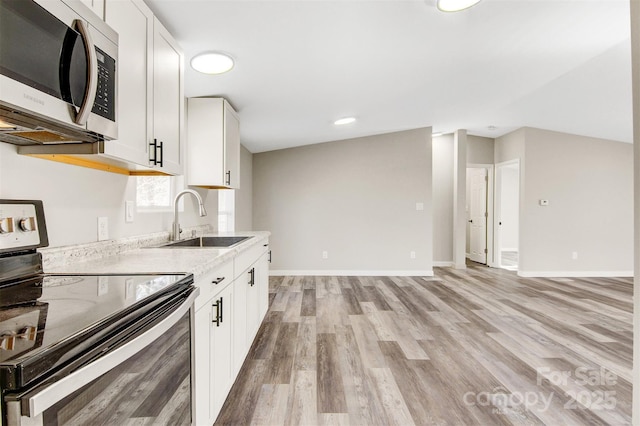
(156, 193)
(226, 210)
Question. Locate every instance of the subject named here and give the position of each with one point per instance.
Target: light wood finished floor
(477, 346)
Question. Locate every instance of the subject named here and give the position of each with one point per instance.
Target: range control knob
(6, 225)
(27, 224)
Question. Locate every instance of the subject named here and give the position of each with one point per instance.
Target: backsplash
(56, 257)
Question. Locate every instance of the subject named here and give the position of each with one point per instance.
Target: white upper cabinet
(133, 21)
(97, 6)
(150, 96)
(213, 152)
(168, 101)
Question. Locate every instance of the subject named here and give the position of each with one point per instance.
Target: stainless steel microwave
(58, 73)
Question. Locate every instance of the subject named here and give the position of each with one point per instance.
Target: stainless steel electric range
(88, 349)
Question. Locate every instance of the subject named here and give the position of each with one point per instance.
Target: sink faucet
(176, 224)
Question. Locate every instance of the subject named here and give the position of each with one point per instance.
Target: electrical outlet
(103, 286)
(412, 255)
(129, 207)
(325, 254)
(103, 228)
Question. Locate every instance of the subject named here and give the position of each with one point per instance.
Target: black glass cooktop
(47, 318)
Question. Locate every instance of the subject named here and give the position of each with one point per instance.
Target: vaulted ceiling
(562, 65)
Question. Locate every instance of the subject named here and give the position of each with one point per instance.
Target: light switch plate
(129, 207)
(544, 202)
(103, 228)
(419, 206)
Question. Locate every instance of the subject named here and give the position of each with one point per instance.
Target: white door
(478, 179)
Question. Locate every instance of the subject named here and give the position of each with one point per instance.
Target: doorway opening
(508, 215)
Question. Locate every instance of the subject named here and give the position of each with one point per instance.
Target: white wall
(75, 196)
(355, 199)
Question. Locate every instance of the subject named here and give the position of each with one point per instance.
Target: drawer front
(244, 260)
(214, 282)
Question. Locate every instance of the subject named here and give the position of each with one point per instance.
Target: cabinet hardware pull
(218, 316)
(161, 161)
(269, 256)
(217, 280)
(228, 177)
(252, 274)
(153, 145)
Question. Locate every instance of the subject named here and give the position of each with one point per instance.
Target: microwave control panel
(105, 103)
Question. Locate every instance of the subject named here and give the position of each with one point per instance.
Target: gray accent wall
(479, 150)
(443, 200)
(589, 185)
(244, 195)
(353, 199)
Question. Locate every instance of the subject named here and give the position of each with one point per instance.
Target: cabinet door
(262, 277)
(168, 102)
(241, 291)
(202, 364)
(133, 21)
(205, 148)
(97, 6)
(253, 313)
(221, 375)
(231, 147)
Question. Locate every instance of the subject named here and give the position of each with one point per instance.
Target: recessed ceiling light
(212, 63)
(346, 120)
(492, 128)
(456, 5)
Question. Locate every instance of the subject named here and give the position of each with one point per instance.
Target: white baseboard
(574, 274)
(509, 249)
(348, 273)
(444, 263)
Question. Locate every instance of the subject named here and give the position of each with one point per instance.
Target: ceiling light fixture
(346, 120)
(456, 5)
(212, 63)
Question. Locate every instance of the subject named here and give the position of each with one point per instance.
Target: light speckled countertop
(197, 261)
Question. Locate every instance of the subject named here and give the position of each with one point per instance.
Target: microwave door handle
(92, 78)
(38, 403)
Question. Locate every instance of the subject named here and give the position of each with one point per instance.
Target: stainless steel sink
(215, 242)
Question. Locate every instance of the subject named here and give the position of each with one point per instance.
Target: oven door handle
(44, 399)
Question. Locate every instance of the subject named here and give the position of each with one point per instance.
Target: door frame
(497, 200)
(491, 261)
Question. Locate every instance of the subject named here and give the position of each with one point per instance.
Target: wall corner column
(635, 61)
(459, 198)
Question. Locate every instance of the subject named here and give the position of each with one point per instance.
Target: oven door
(147, 378)
(57, 66)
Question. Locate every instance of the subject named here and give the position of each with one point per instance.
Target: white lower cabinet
(232, 303)
(220, 348)
(262, 273)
